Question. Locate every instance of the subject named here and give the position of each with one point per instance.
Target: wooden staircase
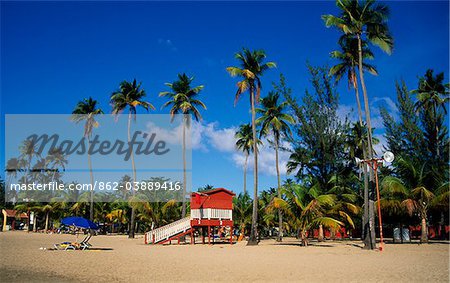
(169, 232)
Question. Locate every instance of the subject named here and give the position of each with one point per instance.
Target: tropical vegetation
(325, 190)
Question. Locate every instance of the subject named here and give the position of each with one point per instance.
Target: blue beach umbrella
(79, 222)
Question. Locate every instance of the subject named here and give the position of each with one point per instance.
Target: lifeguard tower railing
(212, 213)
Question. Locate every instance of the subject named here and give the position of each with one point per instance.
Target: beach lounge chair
(83, 245)
(67, 246)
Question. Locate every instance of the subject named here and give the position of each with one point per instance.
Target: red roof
(12, 213)
(216, 190)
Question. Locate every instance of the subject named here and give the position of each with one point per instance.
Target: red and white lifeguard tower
(209, 209)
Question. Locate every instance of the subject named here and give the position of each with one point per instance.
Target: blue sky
(54, 54)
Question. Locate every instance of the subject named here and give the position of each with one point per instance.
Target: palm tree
(348, 63)
(275, 121)
(266, 218)
(56, 159)
(252, 67)
(418, 200)
(393, 193)
(416, 197)
(306, 208)
(183, 99)
(432, 94)
(206, 187)
(365, 21)
(12, 167)
(242, 212)
(86, 110)
(47, 209)
(130, 95)
(244, 142)
(346, 200)
(297, 161)
(116, 216)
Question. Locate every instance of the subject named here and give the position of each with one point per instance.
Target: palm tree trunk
(369, 242)
(358, 102)
(46, 221)
(183, 208)
(320, 237)
(304, 239)
(245, 173)
(34, 221)
(91, 202)
(253, 232)
(133, 212)
(424, 234)
(366, 99)
(280, 214)
(437, 131)
(365, 222)
(28, 220)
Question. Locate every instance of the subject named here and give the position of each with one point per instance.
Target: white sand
(131, 260)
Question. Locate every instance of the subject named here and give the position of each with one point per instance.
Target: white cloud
(175, 135)
(221, 139)
(347, 112)
(351, 111)
(266, 159)
(209, 136)
(380, 147)
(387, 102)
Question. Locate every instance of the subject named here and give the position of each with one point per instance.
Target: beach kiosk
(9, 218)
(209, 210)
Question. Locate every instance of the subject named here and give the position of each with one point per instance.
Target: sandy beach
(120, 259)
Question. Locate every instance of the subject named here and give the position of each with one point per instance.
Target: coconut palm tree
(432, 95)
(306, 209)
(417, 200)
(348, 64)
(346, 200)
(416, 197)
(244, 142)
(86, 110)
(242, 212)
(183, 100)
(267, 218)
(393, 193)
(13, 166)
(250, 70)
(47, 209)
(130, 95)
(275, 121)
(116, 216)
(28, 152)
(56, 159)
(366, 21)
(297, 161)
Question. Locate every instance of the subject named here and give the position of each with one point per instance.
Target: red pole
(379, 206)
